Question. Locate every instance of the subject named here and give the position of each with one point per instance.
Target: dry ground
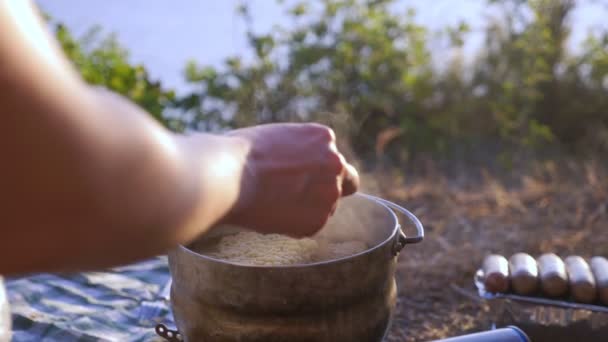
(559, 208)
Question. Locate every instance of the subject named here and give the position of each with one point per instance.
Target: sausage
(553, 275)
(524, 273)
(496, 273)
(582, 283)
(599, 267)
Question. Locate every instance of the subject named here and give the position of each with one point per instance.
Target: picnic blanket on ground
(122, 304)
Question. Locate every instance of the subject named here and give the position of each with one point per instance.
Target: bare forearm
(88, 179)
(124, 190)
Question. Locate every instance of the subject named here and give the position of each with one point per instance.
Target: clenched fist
(294, 176)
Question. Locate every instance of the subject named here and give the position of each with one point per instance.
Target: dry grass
(550, 209)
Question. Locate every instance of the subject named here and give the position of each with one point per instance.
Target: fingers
(348, 175)
(350, 180)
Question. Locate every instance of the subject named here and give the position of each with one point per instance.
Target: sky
(164, 34)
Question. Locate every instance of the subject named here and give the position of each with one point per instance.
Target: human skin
(89, 180)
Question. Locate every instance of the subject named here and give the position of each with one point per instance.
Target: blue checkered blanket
(120, 304)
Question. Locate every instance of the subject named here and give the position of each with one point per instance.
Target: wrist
(247, 183)
(217, 169)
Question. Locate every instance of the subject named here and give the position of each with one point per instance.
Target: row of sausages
(549, 275)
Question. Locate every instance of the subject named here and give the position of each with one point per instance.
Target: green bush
(366, 68)
(102, 61)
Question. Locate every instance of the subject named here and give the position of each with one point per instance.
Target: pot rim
(395, 232)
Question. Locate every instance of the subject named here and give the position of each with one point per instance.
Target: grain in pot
(252, 248)
(265, 249)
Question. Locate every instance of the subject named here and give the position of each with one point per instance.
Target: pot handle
(403, 239)
(168, 334)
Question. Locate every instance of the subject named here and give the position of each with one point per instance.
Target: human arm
(89, 180)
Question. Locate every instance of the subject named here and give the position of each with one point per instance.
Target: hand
(293, 178)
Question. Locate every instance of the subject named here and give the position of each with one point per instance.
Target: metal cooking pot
(347, 299)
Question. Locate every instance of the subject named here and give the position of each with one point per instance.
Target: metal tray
(545, 319)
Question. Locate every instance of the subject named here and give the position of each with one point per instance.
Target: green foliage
(102, 61)
(519, 69)
(366, 68)
(353, 59)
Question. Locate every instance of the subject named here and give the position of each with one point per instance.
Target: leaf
(299, 10)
